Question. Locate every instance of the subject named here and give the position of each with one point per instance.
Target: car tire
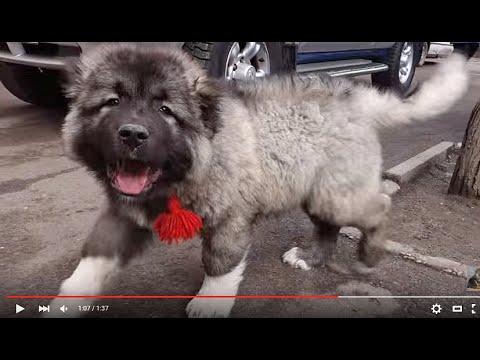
(32, 85)
(213, 56)
(424, 54)
(392, 79)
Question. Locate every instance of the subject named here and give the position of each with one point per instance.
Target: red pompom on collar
(177, 224)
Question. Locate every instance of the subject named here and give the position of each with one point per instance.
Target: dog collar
(177, 224)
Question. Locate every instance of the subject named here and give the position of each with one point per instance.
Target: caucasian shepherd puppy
(148, 122)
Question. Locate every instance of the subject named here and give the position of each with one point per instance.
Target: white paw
(291, 257)
(207, 308)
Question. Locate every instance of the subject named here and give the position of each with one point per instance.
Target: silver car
(32, 71)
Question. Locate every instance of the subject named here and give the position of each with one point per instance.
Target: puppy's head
(135, 112)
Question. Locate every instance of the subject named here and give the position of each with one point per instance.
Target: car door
(312, 47)
(384, 45)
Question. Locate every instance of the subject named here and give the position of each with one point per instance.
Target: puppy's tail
(434, 97)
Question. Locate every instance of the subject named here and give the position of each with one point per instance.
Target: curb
(412, 167)
(435, 262)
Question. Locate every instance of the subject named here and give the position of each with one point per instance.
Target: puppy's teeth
(110, 170)
(156, 175)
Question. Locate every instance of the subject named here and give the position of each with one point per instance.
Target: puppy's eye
(166, 110)
(112, 102)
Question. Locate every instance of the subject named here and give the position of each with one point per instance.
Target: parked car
(444, 49)
(32, 70)
(440, 49)
(435, 50)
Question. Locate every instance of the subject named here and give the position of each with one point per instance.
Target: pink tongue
(132, 184)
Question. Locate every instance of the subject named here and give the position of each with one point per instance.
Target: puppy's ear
(205, 86)
(73, 81)
(209, 91)
(79, 69)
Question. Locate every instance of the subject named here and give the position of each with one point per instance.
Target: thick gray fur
(281, 143)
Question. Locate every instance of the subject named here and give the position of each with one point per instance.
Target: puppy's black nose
(133, 135)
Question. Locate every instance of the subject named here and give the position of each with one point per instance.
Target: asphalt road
(400, 144)
(49, 203)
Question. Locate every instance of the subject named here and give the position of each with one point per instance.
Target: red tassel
(177, 224)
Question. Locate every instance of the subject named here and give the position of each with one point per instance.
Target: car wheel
(32, 85)
(245, 61)
(401, 61)
(424, 54)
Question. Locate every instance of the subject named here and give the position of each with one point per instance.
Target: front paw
(208, 308)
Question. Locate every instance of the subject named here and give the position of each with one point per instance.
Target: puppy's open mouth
(132, 177)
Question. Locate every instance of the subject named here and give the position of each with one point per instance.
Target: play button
(18, 308)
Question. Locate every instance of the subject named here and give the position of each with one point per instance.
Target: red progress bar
(172, 296)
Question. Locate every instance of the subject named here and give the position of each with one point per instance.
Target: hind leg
(320, 250)
(368, 212)
(372, 225)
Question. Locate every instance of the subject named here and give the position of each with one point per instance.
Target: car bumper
(32, 60)
(440, 50)
(33, 54)
(30, 54)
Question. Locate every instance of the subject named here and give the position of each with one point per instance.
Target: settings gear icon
(436, 309)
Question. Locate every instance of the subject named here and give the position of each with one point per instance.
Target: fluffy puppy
(148, 122)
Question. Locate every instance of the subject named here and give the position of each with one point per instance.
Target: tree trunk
(466, 177)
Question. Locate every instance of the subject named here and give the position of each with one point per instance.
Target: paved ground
(400, 144)
(48, 205)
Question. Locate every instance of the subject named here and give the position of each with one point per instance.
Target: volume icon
(64, 308)
(43, 308)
